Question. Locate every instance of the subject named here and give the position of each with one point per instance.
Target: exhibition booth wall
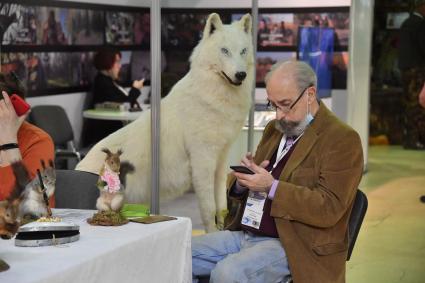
(177, 48)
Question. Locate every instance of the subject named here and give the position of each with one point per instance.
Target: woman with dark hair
(19, 140)
(107, 89)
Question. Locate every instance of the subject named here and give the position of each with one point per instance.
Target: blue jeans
(239, 257)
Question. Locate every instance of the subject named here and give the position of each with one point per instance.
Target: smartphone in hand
(21, 107)
(242, 169)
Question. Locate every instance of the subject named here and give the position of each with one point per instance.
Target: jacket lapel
(301, 150)
(274, 143)
(306, 142)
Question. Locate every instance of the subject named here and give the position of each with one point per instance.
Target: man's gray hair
(303, 74)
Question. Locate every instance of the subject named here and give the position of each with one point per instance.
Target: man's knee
(226, 273)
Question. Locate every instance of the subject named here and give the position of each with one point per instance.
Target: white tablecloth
(134, 252)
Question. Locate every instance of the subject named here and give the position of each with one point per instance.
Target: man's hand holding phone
(259, 180)
(10, 122)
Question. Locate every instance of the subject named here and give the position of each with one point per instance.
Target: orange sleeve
(34, 145)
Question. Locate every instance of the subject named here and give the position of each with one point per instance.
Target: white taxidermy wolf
(200, 119)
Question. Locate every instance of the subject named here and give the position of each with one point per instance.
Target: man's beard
(291, 128)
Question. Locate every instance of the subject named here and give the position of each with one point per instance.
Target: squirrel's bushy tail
(22, 179)
(125, 168)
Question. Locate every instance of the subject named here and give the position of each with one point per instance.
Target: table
(124, 116)
(159, 252)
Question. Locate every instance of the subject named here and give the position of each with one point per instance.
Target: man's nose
(279, 114)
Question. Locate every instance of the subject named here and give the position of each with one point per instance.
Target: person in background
(412, 66)
(19, 140)
(106, 86)
(107, 89)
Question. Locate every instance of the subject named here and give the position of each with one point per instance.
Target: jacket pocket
(331, 248)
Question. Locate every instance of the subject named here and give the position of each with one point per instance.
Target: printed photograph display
(51, 47)
(277, 30)
(316, 46)
(339, 21)
(18, 25)
(183, 29)
(142, 29)
(141, 65)
(50, 70)
(87, 27)
(265, 60)
(119, 28)
(339, 70)
(281, 29)
(55, 26)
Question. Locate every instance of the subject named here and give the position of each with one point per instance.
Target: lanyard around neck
(284, 152)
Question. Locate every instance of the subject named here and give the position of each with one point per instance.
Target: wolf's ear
(246, 23)
(213, 23)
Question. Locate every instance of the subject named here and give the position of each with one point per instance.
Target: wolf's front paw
(220, 219)
(211, 228)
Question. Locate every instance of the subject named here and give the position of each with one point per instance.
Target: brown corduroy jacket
(313, 200)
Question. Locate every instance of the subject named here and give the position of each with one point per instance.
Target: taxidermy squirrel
(111, 181)
(34, 203)
(9, 208)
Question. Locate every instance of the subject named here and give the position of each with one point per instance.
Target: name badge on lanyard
(253, 212)
(254, 206)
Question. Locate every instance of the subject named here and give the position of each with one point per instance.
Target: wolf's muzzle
(238, 83)
(240, 76)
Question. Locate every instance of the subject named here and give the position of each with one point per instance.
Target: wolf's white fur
(200, 118)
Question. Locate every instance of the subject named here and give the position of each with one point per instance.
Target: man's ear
(213, 23)
(311, 94)
(246, 23)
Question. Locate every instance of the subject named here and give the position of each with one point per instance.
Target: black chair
(53, 120)
(76, 189)
(355, 222)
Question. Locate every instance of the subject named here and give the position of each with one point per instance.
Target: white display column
(360, 48)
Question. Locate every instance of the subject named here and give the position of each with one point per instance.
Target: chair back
(356, 218)
(53, 120)
(76, 189)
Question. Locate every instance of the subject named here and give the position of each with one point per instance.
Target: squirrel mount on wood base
(111, 183)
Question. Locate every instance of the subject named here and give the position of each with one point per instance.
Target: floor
(391, 244)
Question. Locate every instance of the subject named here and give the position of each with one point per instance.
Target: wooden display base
(107, 218)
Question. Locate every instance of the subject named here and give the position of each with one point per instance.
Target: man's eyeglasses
(285, 109)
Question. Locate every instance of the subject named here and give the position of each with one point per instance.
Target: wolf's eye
(225, 51)
(243, 52)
